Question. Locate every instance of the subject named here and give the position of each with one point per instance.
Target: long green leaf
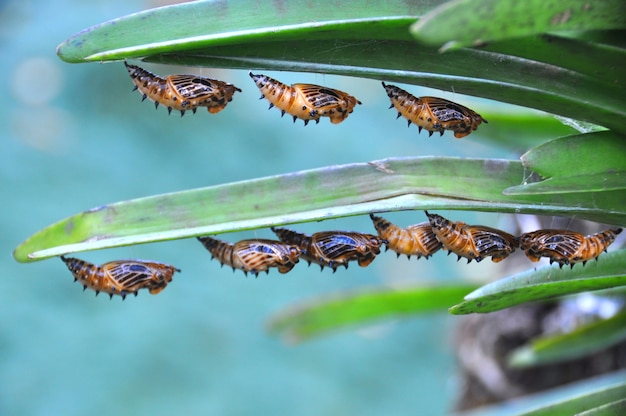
(472, 22)
(509, 79)
(566, 53)
(560, 401)
(613, 181)
(336, 191)
(580, 342)
(195, 25)
(546, 283)
(589, 400)
(330, 313)
(614, 408)
(361, 39)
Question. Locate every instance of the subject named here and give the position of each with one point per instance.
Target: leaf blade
(546, 283)
(370, 41)
(332, 192)
(492, 20)
(587, 400)
(194, 25)
(578, 343)
(331, 313)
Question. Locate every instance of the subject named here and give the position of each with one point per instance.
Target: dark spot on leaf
(96, 209)
(492, 167)
(69, 227)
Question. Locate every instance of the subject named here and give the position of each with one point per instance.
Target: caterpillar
(306, 101)
(333, 248)
(415, 240)
(566, 247)
(122, 277)
(182, 92)
(473, 242)
(253, 256)
(433, 114)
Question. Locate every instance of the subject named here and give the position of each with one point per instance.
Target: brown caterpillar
(306, 101)
(473, 242)
(333, 248)
(182, 92)
(122, 277)
(415, 240)
(566, 247)
(432, 113)
(254, 256)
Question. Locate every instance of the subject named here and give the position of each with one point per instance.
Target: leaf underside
(547, 283)
(331, 313)
(374, 41)
(336, 191)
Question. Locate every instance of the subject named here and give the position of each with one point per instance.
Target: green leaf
(582, 341)
(510, 79)
(331, 313)
(582, 154)
(462, 23)
(564, 52)
(531, 129)
(335, 191)
(589, 162)
(361, 39)
(615, 408)
(195, 25)
(586, 401)
(546, 283)
(614, 181)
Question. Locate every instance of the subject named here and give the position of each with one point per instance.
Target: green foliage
(582, 341)
(464, 20)
(337, 191)
(603, 401)
(372, 40)
(335, 312)
(508, 51)
(546, 283)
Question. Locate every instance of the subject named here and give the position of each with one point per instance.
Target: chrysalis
(182, 92)
(306, 101)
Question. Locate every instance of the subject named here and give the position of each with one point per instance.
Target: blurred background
(73, 137)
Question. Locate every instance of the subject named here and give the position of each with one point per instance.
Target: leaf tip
(281, 329)
(457, 309)
(521, 357)
(70, 50)
(450, 46)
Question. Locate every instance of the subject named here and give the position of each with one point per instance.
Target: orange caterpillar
(433, 114)
(333, 248)
(473, 242)
(254, 256)
(566, 247)
(182, 92)
(415, 240)
(121, 277)
(306, 101)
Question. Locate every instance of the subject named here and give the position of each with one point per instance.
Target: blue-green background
(73, 137)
